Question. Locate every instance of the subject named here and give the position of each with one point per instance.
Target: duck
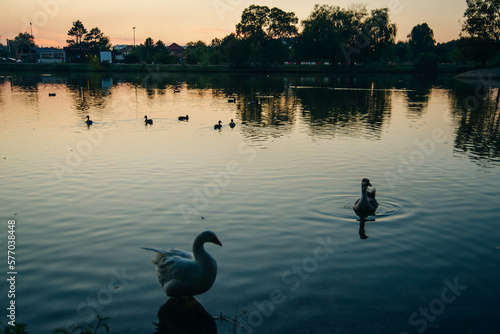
(184, 118)
(89, 121)
(218, 126)
(366, 205)
(185, 274)
(148, 120)
(232, 124)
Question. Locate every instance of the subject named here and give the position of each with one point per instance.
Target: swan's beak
(216, 241)
(369, 184)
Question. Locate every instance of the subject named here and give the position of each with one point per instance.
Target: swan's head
(145, 116)
(88, 117)
(209, 236)
(365, 183)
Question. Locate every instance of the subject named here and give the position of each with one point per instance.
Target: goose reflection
(184, 315)
(362, 233)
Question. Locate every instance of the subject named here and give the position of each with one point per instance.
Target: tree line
(330, 34)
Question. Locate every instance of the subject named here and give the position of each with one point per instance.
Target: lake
(278, 189)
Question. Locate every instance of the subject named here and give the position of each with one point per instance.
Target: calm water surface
(278, 189)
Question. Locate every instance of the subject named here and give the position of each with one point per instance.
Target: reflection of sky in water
(86, 198)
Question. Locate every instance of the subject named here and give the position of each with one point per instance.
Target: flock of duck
(186, 274)
(149, 121)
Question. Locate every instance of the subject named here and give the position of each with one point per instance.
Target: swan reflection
(184, 315)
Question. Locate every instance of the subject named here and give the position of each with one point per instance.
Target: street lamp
(134, 36)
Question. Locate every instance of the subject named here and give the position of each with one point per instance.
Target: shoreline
(490, 73)
(153, 68)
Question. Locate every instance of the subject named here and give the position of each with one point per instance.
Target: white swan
(148, 120)
(366, 205)
(186, 274)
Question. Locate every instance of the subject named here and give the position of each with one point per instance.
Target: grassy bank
(148, 68)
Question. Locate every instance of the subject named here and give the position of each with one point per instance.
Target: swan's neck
(364, 196)
(199, 252)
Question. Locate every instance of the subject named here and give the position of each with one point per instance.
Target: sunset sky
(192, 20)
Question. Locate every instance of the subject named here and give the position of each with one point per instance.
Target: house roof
(175, 47)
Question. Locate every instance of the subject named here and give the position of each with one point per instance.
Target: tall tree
(329, 29)
(381, 32)
(253, 21)
(95, 38)
(24, 42)
(421, 40)
(271, 23)
(282, 24)
(261, 29)
(77, 31)
(149, 43)
(482, 19)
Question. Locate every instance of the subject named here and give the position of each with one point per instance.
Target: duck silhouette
(366, 205)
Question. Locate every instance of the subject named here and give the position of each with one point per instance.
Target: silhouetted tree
(336, 34)
(281, 24)
(23, 42)
(77, 31)
(235, 51)
(196, 52)
(476, 49)
(381, 33)
(96, 39)
(261, 29)
(482, 19)
(421, 40)
(446, 51)
(402, 51)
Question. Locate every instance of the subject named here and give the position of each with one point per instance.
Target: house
(76, 54)
(50, 55)
(176, 50)
(120, 51)
(26, 55)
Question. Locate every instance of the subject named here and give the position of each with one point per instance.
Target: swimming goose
(184, 118)
(147, 120)
(366, 205)
(186, 274)
(88, 121)
(218, 126)
(232, 123)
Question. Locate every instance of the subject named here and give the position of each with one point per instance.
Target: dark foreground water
(278, 190)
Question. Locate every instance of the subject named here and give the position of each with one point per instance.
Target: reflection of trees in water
(330, 110)
(266, 109)
(417, 95)
(28, 85)
(476, 110)
(88, 92)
